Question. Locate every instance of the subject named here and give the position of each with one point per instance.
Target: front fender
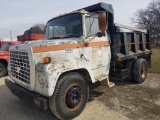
(5, 58)
(51, 73)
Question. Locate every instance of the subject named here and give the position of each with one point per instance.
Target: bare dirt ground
(124, 101)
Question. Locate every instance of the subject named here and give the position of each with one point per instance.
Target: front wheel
(70, 96)
(140, 69)
(3, 69)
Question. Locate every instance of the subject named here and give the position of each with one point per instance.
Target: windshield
(65, 26)
(5, 46)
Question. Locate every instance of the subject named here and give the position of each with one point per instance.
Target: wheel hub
(73, 97)
(143, 71)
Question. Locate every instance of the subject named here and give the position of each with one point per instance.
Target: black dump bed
(126, 42)
(130, 42)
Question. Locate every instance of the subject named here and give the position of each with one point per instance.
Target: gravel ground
(124, 101)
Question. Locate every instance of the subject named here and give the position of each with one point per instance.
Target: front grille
(20, 68)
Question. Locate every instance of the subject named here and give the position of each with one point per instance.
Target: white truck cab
(71, 44)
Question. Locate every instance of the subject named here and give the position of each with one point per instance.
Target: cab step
(104, 80)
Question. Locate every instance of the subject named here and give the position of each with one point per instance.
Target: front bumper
(26, 95)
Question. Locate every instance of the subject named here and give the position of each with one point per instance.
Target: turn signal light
(46, 60)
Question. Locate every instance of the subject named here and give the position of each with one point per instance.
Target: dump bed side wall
(126, 45)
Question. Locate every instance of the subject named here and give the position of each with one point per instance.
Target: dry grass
(155, 60)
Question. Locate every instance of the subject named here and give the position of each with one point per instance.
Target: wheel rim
(143, 71)
(73, 97)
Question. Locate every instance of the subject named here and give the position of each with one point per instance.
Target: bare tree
(149, 18)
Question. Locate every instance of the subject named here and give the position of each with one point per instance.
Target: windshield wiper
(66, 36)
(54, 38)
(70, 35)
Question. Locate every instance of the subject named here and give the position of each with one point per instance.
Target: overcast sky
(19, 15)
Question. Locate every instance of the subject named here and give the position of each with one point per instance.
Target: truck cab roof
(93, 8)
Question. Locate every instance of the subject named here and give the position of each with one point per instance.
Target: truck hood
(41, 43)
(4, 53)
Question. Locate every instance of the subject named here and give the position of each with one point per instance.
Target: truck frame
(80, 47)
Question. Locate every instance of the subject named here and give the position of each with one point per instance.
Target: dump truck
(81, 47)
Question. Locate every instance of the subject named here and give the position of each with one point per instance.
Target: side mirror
(102, 20)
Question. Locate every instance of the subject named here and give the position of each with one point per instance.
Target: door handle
(83, 55)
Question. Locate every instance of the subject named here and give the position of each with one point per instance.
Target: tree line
(149, 18)
(38, 28)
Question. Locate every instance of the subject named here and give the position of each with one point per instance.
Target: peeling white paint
(41, 43)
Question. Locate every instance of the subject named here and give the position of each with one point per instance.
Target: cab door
(98, 50)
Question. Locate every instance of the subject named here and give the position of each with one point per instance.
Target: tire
(3, 69)
(140, 70)
(70, 96)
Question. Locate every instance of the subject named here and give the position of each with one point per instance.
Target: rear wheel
(140, 70)
(3, 69)
(70, 96)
